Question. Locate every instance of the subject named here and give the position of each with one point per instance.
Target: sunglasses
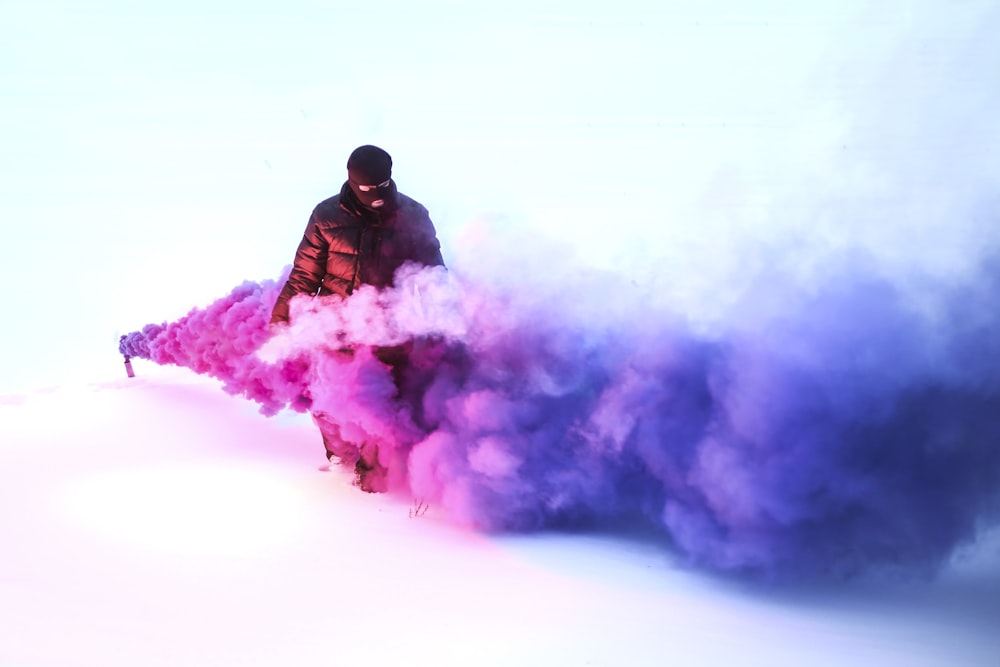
(366, 188)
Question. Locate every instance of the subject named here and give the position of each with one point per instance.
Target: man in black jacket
(360, 236)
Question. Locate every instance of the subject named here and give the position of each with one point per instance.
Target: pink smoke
(838, 429)
(324, 362)
(220, 340)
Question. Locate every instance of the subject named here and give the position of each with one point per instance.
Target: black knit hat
(369, 165)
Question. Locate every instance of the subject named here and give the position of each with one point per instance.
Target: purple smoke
(824, 400)
(829, 429)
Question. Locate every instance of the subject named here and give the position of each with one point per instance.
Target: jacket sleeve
(308, 270)
(430, 248)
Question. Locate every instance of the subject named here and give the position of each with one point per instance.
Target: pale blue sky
(157, 154)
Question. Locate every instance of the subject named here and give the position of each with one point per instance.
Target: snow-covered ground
(157, 521)
(809, 178)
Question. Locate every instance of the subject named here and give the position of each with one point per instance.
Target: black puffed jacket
(346, 245)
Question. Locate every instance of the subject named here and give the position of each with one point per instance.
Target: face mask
(370, 195)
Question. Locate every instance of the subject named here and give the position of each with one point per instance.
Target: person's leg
(396, 357)
(337, 451)
(369, 473)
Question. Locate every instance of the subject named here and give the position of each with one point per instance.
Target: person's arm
(307, 270)
(430, 248)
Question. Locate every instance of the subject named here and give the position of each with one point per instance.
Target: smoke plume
(825, 430)
(824, 398)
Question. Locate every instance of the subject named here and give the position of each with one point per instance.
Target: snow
(156, 156)
(158, 521)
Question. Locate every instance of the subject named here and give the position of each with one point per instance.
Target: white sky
(154, 155)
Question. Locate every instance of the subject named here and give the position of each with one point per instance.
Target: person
(360, 236)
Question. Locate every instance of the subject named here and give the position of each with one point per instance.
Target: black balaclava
(370, 167)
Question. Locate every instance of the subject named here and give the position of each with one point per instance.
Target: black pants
(396, 358)
(414, 366)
